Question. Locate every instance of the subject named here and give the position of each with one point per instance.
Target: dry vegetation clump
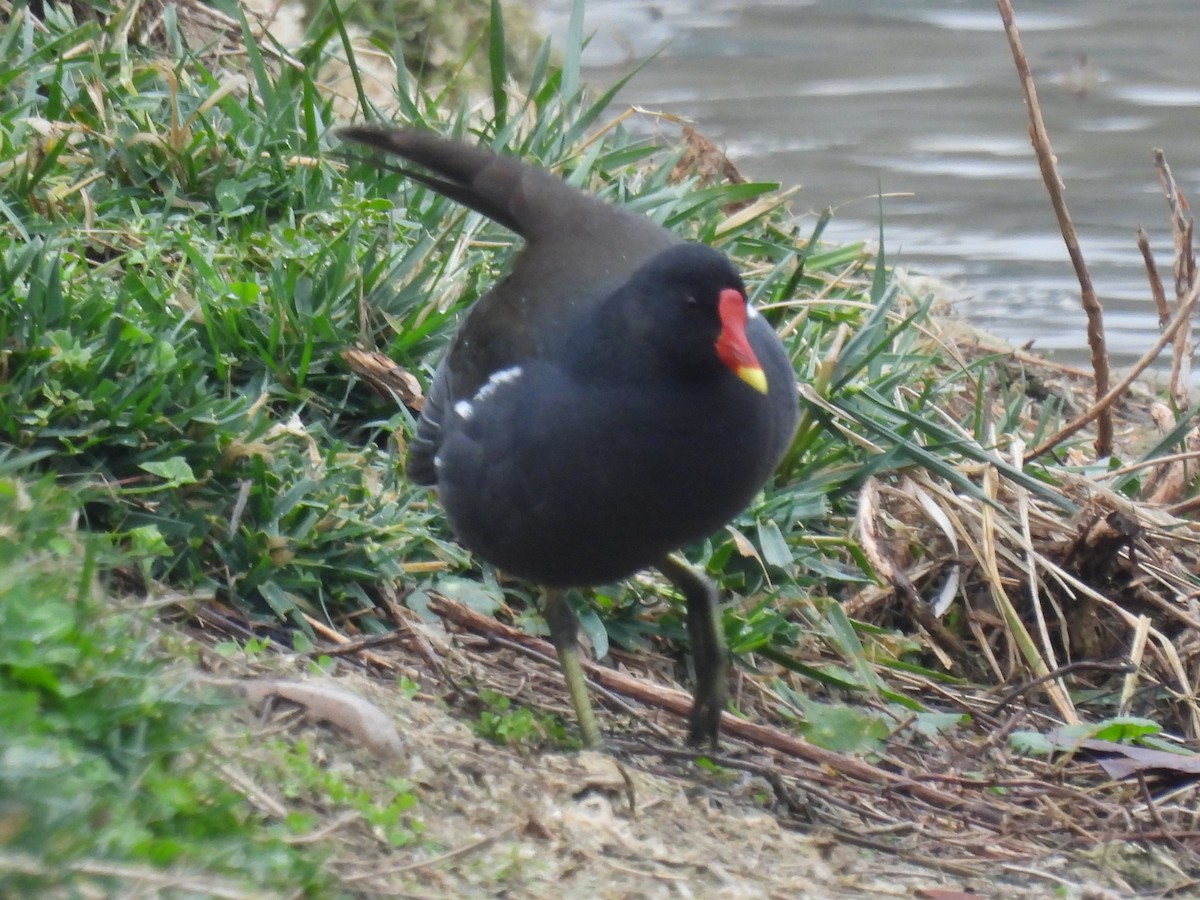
(1091, 578)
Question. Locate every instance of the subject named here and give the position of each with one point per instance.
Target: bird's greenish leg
(708, 648)
(564, 628)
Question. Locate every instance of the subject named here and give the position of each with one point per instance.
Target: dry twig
(1050, 177)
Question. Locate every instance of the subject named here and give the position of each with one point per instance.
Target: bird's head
(689, 304)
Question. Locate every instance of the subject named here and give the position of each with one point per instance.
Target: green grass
(102, 751)
(180, 267)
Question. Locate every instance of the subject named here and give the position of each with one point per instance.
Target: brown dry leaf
(703, 161)
(385, 377)
(360, 718)
(1125, 760)
(745, 547)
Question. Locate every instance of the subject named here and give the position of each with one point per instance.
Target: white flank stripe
(466, 408)
(504, 376)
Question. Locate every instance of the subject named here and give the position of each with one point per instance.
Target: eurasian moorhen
(611, 400)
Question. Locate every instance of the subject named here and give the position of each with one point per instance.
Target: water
(920, 99)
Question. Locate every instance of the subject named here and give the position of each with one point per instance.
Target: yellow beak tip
(753, 376)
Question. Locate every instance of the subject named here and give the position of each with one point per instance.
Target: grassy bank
(194, 463)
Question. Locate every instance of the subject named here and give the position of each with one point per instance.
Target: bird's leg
(708, 648)
(564, 629)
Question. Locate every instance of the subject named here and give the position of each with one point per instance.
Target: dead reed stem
(1049, 168)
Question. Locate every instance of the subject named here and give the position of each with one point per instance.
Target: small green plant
(406, 687)
(505, 723)
(387, 806)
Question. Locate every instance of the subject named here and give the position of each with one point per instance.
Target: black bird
(610, 400)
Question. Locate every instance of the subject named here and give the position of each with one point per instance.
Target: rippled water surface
(919, 98)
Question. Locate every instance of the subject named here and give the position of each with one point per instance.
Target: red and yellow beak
(733, 349)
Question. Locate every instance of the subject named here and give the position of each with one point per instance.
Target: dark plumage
(611, 399)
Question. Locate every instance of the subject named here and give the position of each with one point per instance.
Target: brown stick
(1156, 285)
(1185, 275)
(1176, 203)
(1190, 252)
(1049, 168)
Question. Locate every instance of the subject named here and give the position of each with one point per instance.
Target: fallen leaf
(385, 377)
(362, 719)
(1124, 760)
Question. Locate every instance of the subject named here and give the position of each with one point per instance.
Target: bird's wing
(577, 249)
